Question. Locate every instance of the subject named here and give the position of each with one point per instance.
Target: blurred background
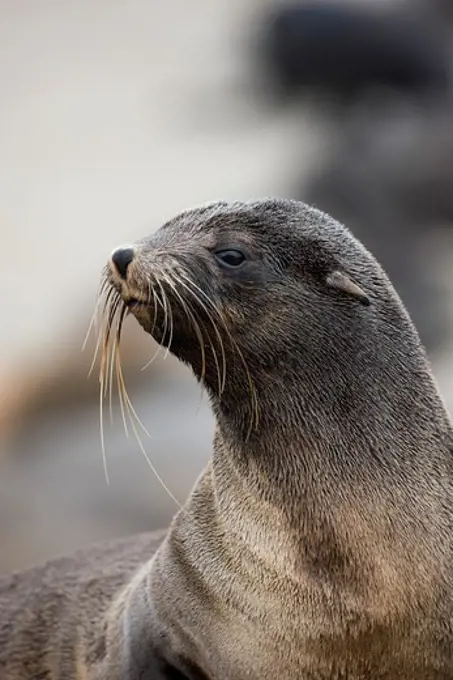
(118, 114)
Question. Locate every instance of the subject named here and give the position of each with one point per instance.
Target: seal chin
(144, 314)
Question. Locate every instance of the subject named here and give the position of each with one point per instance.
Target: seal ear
(341, 281)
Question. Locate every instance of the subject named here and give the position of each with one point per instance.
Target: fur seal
(318, 541)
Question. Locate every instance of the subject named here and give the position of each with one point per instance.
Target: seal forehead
(220, 216)
(304, 219)
(260, 217)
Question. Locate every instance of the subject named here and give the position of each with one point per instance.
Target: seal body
(317, 544)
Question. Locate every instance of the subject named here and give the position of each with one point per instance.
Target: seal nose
(121, 258)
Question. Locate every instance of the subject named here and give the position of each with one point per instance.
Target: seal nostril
(121, 258)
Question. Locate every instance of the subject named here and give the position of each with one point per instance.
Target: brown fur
(317, 543)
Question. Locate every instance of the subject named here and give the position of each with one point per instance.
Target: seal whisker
(111, 317)
(101, 400)
(156, 302)
(106, 371)
(111, 311)
(152, 466)
(217, 311)
(116, 359)
(170, 313)
(127, 401)
(105, 301)
(183, 280)
(112, 299)
(253, 398)
(120, 393)
(104, 285)
(120, 311)
(191, 318)
(221, 378)
(254, 420)
(112, 303)
(165, 308)
(101, 426)
(94, 317)
(131, 412)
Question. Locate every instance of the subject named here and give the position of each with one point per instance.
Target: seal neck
(315, 431)
(320, 482)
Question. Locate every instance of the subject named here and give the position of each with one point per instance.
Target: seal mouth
(119, 290)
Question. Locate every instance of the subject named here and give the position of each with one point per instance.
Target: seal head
(225, 286)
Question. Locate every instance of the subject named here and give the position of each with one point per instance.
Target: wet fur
(317, 543)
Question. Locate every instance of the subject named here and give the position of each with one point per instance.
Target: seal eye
(230, 258)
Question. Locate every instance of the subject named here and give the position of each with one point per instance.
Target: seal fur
(317, 543)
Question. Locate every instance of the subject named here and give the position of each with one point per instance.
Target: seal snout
(121, 258)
